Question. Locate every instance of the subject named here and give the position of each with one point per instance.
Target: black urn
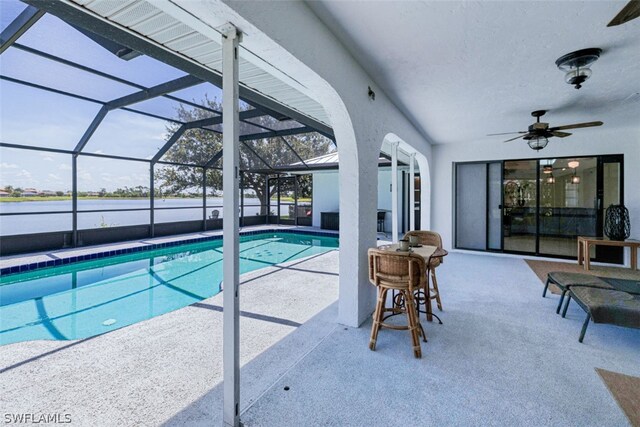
(616, 223)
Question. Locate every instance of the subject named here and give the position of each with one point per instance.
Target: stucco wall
(326, 194)
(304, 49)
(583, 143)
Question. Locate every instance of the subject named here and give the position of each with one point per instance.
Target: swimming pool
(89, 298)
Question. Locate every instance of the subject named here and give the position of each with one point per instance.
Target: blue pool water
(89, 298)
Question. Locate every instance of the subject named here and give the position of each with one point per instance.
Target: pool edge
(139, 246)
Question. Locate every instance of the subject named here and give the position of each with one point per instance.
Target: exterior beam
(412, 192)
(394, 192)
(70, 14)
(19, 26)
(167, 145)
(277, 133)
(154, 92)
(91, 129)
(214, 159)
(295, 153)
(230, 226)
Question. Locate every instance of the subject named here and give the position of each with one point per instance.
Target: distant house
(47, 193)
(4, 193)
(93, 194)
(28, 192)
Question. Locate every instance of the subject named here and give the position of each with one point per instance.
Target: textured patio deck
(502, 357)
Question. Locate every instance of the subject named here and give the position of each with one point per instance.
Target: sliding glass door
(610, 192)
(568, 204)
(538, 206)
(479, 206)
(520, 205)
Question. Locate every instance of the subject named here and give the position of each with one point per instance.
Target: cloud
(47, 159)
(64, 167)
(24, 174)
(5, 165)
(54, 177)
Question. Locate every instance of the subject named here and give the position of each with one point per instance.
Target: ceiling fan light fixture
(573, 164)
(547, 169)
(551, 179)
(575, 179)
(576, 65)
(577, 77)
(538, 142)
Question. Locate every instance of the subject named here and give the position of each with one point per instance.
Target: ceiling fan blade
(576, 126)
(629, 12)
(513, 139)
(506, 133)
(560, 134)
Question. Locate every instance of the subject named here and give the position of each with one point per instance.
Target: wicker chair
(430, 238)
(402, 272)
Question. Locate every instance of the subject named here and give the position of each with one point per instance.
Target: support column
(74, 199)
(278, 211)
(204, 199)
(231, 276)
(394, 192)
(152, 199)
(412, 192)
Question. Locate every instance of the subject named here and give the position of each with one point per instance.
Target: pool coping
(31, 262)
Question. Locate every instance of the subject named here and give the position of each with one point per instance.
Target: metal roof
(149, 20)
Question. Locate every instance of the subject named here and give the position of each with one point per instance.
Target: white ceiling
(461, 70)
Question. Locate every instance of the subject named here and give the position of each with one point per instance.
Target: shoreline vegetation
(68, 198)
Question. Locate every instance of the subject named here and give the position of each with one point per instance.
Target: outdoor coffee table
(422, 296)
(585, 242)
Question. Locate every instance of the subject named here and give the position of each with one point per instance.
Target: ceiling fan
(629, 12)
(538, 134)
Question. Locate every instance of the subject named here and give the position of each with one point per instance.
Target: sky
(30, 116)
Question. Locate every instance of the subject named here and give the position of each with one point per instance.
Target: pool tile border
(143, 247)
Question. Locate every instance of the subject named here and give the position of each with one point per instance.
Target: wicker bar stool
(402, 272)
(430, 238)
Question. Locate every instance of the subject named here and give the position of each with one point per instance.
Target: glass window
(520, 205)
(567, 203)
(35, 117)
(123, 133)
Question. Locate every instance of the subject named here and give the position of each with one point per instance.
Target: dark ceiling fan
(538, 134)
(629, 12)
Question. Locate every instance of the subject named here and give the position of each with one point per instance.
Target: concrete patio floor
(502, 357)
